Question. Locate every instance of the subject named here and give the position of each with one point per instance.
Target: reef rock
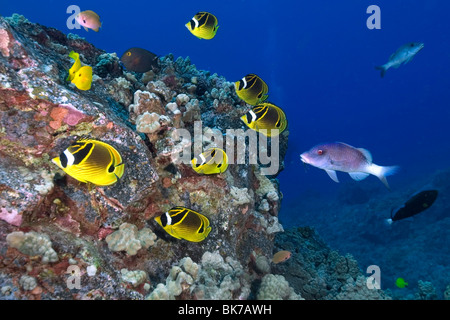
(73, 226)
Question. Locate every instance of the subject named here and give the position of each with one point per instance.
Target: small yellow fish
(184, 223)
(91, 161)
(401, 283)
(76, 65)
(89, 20)
(264, 118)
(83, 78)
(281, 256)
(213, 160)
(252, 89)
(203, 25)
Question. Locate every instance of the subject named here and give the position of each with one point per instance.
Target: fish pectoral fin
(332, 174)
(358, 176)
(86, 29)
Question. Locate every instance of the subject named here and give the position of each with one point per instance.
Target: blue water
(318, 58)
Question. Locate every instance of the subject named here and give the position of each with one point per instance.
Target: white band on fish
(70, 158)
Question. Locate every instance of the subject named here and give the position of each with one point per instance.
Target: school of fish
(99, 163)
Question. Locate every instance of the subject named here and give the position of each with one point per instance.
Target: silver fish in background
(338, 156)
(402, 56)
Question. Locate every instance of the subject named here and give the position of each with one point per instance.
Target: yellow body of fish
(264, 118)
(184, 223)
(76, 65)
(252, 89)
(91, 161)
(83, 78)
(212, 161)
(89, 20)
(203, 25)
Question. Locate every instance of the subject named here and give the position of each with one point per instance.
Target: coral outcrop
(63, 239)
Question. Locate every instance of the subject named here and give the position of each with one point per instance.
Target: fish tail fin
(383, 172)
(382, 69)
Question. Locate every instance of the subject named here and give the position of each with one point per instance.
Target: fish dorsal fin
(332, 175)
(366, 154)
(358, 176)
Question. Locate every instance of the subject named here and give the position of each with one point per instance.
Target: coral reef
(63, 239)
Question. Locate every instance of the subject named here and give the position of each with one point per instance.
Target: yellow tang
(83, 78)
(252, 89)
(184, 223)
(76, 65)
(213, 160)
(265, 117)
(203, 25)
(91, 161)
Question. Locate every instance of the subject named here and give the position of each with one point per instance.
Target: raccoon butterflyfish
(91, 161)
(76, 65)
(139, 60)
(213, 160)
(89, 20)
(252, 89)
(83, 78)
(184, 223)
(264, 118)
(203, 25)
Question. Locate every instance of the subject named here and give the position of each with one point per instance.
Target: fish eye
(412, 44)
(319, 152)
(128, 53)
(84, 20)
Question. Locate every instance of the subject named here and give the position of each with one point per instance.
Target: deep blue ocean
(318, 59)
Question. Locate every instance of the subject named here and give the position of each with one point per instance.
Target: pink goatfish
(338, 156)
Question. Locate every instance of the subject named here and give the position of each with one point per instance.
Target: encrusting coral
(129, 239)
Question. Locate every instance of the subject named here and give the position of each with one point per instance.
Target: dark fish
(416, 204)
(139, 60)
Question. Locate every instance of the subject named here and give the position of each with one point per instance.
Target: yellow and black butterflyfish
(91, 161)
(184, 223)
(252, 89)
(265, 118)
(212, 161)
(203, 25)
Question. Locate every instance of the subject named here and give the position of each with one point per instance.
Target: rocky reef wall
(63, 239)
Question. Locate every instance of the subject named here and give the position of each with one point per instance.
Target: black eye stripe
(63, 160)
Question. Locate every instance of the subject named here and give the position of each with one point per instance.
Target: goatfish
(83, 78)
(402, 56)
(266, 118)
(212, 161)
(338, 156)
(252, 89)
(184, 223)
(139, 60)
(89, 20)
(91, 161)
(76, 65)
(203, 25)
(418, 202)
